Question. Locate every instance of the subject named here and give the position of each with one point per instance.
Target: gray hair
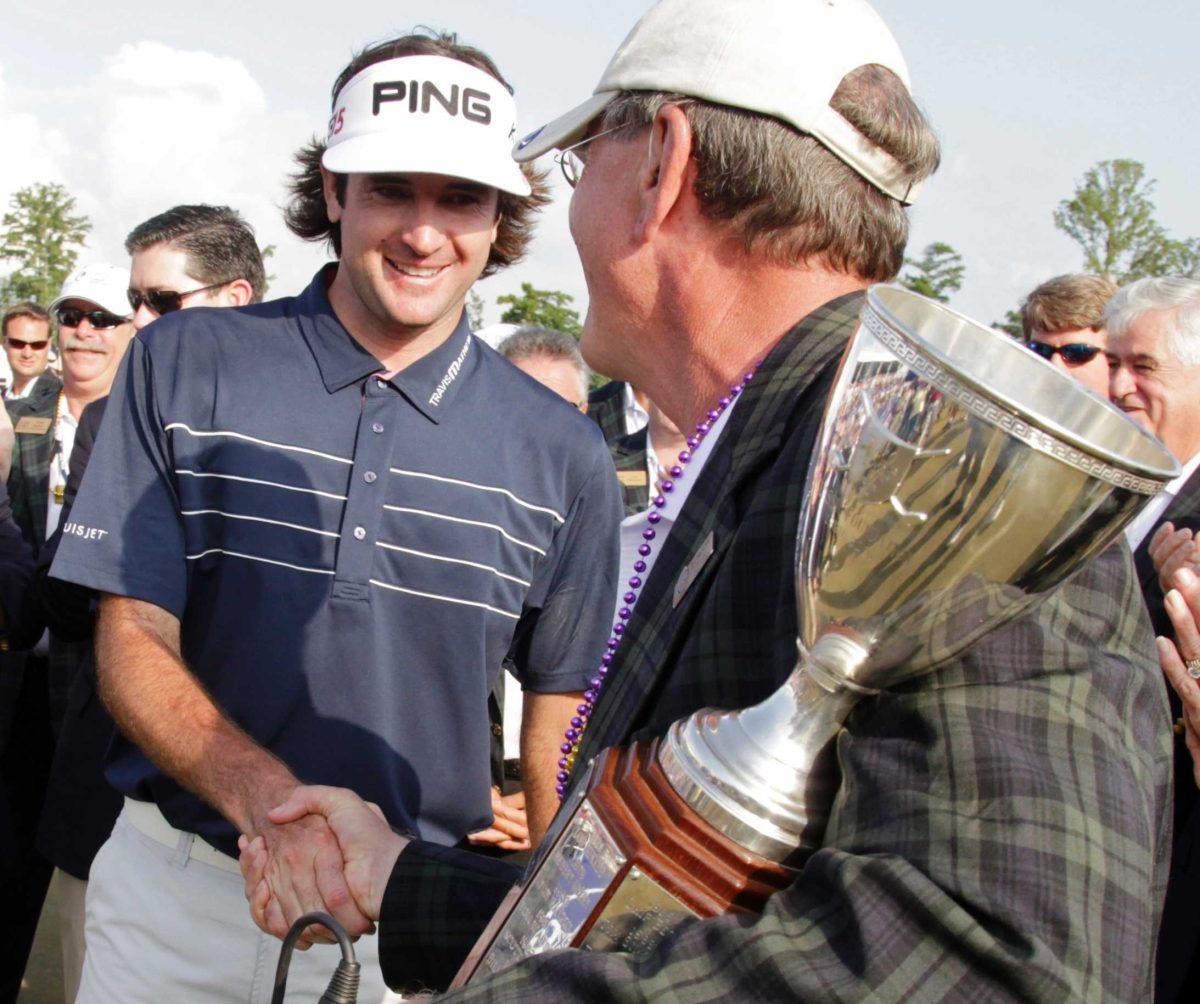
(1174, 293)
(533, 342)
(784, 194)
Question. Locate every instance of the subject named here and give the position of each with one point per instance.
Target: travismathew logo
(451, 374)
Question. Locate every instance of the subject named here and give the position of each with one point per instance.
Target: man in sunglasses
(188, 256)
(94, 329)
(26, 329)
(193, 256)
(1062, 321)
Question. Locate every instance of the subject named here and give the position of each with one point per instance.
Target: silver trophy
(957, 479)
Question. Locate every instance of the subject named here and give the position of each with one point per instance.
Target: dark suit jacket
(1178, 972)
(999, 829)
(629, 457)
(81, 806)
(606, 407)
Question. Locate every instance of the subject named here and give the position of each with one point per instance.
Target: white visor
(426, 115)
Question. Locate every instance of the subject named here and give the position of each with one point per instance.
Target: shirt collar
(340, 359)
(430, 384)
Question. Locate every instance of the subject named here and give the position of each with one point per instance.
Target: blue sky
(136, 106)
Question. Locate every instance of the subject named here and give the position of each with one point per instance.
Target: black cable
(343, 987)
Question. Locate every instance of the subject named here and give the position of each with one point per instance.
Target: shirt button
(497, 730)
(370, 477)
(360, 533)
(380, 384)
(377, 427)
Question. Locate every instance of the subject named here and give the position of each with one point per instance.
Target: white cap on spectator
(782, 58)
(426, 115)
(97, 282)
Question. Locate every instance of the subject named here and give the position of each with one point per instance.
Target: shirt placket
(364, 497)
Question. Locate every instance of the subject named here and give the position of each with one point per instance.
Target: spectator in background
(1062, 321)
(188, 256)
(94, 330)
(553, 359)
(1154, 360)
(26, 329)
(618, 408)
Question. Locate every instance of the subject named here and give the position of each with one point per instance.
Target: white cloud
(156, 127)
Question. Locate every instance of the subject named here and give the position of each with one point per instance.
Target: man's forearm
(544, 718)
(158, 703)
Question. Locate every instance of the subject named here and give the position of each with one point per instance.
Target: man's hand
(1183, 607)
(1170, 550)
(367, 847)
(509, 830)
(304, 872)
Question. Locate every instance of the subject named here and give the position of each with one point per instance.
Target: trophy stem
(765, 775)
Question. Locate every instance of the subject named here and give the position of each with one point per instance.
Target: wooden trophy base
(629, 861)
(691, 866)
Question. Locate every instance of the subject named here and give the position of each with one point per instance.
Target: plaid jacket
(1179, 942)
(629, 457)
(999, 832)
(29, 490)
(606, 407)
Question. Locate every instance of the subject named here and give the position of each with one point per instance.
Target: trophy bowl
(957, 479)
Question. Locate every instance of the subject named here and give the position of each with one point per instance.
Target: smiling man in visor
(321, 526)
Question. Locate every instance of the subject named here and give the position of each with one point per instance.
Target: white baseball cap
(428, 115)
(97, 282)
(783, 58)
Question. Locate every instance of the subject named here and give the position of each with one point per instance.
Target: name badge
(691, 571)
(633, 479)
(30, 425)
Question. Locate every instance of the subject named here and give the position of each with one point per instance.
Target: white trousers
(70, 893)
(171, 923)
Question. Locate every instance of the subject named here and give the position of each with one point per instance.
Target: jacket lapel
(708, 522)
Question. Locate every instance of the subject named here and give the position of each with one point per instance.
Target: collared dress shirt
(352, 556)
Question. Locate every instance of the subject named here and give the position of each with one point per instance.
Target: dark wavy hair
(305, 213)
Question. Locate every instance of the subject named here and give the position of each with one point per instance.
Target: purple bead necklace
(574, 733)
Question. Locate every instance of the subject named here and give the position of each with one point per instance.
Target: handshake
(327, 849)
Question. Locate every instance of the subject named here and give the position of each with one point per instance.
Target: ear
(664, 178)
(236, 294)
(333, 208)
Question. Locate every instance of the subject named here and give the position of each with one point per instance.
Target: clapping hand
(1180, 659)
(1170, 550)
(510, 827)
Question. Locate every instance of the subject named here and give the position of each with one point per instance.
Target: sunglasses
(72, 317)
(37, 346)
(165, 301)
(1075, 354)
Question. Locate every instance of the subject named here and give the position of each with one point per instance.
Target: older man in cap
(321, 527)
(996, 833)
(94, 329)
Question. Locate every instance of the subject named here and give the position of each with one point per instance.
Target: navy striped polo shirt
(352, 557)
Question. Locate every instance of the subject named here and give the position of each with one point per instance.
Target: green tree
(936, 274)
(41, 235)
(474, 310)
(1011, 325)
(545, 308)
(267, 252)
(1111, 217)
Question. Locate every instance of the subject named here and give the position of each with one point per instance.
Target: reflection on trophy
(957, 479)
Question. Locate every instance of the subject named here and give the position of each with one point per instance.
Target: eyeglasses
(37, 346)
(572, 161)
(1075, 354)
(72, 317)
(166, 301)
